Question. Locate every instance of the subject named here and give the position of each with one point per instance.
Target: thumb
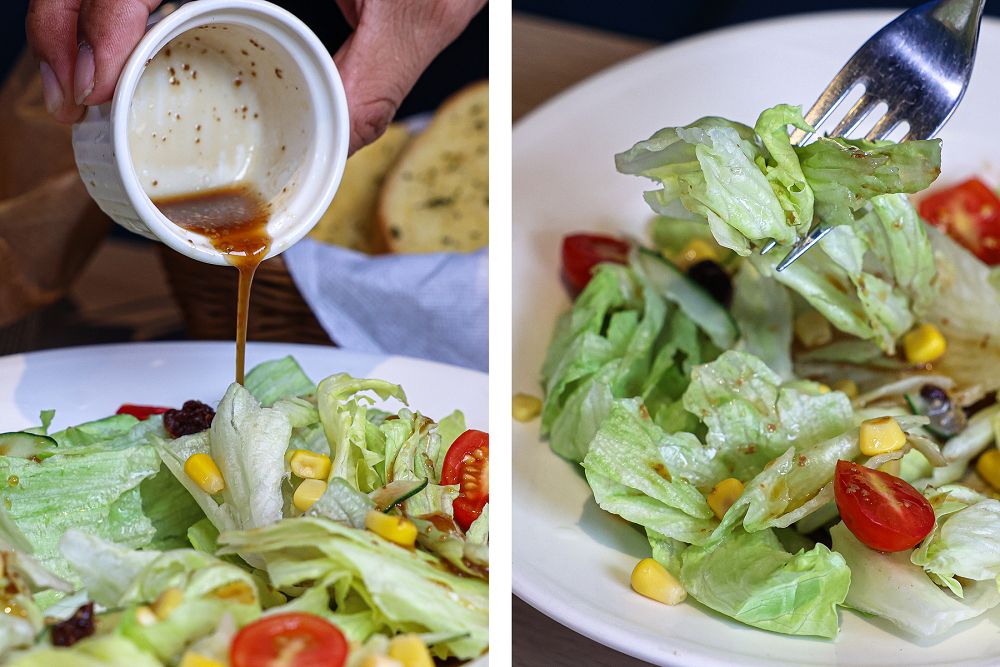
(375, 81)
(108, 31)
(393, 43)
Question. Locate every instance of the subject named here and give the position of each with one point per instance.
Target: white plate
(86, 383)
(570, 560)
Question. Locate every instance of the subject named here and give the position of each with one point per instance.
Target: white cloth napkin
(429, 306)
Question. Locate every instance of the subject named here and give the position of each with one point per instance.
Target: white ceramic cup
(218, 92)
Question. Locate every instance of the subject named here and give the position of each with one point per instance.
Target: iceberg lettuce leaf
(407, 590)
(753, 418)
(890, 586)
(751, 578)
(965, 541)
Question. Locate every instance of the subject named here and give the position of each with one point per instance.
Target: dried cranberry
(193, 417)
(76, 627)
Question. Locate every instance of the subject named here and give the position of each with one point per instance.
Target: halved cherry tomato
(140, 412)
(467, 464)
(882, 510)
(970, 213)
(289, 640)
(582, 252)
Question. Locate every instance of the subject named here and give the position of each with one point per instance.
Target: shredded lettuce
(115, 489)
(621, 339)
(751, 186)
(762, 309)
(248, 443)
(651, 478)
(845, 174)
(278, 379)
(342, 502)
(405, 589)
(93, 432)
(753, 418)
(890, 586)
(792, 487)
(965, 541)
(103, 651)
(358, 447)
(710, 167)
(751, 578)
(967, 311)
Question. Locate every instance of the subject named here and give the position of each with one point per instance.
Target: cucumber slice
(26, 445)
(396, 492)
(710, 315)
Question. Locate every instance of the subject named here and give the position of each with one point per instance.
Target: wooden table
(549, 57)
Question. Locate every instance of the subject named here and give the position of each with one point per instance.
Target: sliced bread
(436, 198)
(352, 221)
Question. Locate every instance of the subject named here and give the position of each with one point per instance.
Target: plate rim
(111, 347)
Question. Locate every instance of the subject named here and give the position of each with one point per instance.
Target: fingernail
(51, 90)
(84, 77)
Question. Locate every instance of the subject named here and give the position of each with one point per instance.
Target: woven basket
(206, 295)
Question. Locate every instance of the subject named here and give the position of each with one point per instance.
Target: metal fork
(919, 66)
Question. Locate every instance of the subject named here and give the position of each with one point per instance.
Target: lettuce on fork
(750, 185)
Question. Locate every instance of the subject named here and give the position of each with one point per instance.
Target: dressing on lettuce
(751, 186)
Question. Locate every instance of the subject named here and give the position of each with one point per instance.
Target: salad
(791, 443)
(294, 524)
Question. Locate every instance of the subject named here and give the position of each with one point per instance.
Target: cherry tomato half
(882, 510)
(140, 412)
(582, 252)
(970, 213)
(467, 464)
(289, 640)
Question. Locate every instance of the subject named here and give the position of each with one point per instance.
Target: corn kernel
(924, 344)
(380, 661)
(652, 580)
(203, 471)
(310, 465)
(168, 600)
(988, 467)
(881, 435)
(393, 528)
(812, 329)
(697, 250)
(145, 616)
(411, 651)
(526, 407)
(891, 467)
(198, 660)
(236, 591)
(308, 492)
(848, 387)
(724, 495)
(823, 389)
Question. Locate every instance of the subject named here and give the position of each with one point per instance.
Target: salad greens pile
(105, 512)
(661, 391)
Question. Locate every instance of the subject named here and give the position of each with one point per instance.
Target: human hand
(393, 43)
(82, 46)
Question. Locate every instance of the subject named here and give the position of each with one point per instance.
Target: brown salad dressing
(234, 219)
